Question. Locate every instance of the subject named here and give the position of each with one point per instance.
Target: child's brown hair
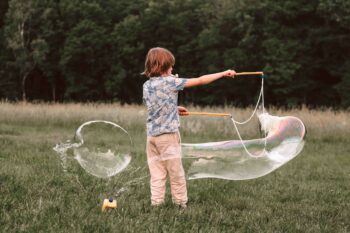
(158, 61)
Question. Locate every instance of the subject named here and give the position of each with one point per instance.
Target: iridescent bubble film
(247, 159)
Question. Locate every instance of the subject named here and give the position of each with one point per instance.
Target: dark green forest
(94, 50)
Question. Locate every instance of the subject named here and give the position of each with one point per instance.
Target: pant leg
(177, 174)
(158, 173)
(177, 181)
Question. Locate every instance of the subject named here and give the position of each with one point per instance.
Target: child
(160, 95)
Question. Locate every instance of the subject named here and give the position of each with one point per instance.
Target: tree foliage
(94, 50)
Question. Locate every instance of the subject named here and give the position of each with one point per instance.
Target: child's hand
(229, 73)
(182, 111)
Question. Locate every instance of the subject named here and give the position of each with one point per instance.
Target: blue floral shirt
(160, 96)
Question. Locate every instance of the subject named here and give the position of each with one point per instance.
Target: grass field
(309, 194)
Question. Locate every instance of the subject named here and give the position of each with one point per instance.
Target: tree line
(94, 50)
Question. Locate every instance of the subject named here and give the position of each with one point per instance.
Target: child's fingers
(183, 111)
(230, 73)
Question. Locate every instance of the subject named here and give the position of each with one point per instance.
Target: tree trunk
(54, 92)
(24, 97)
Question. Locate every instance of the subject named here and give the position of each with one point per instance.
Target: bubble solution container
(109, 204)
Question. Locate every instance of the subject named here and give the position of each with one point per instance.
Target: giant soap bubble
(247, 159)
(102, 148)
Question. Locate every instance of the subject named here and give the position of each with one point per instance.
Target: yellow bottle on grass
(109, 204)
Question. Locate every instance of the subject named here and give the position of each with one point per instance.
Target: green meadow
(311, 193)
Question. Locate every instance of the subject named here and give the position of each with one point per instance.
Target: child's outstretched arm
(208, 78)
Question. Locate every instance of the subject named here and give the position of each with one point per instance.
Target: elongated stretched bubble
(247, 159)
(102, 148)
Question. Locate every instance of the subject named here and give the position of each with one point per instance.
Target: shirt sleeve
(177, 84)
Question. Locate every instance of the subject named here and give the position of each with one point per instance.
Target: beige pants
(164, 158)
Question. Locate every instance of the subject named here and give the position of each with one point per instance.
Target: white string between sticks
(235, 123)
